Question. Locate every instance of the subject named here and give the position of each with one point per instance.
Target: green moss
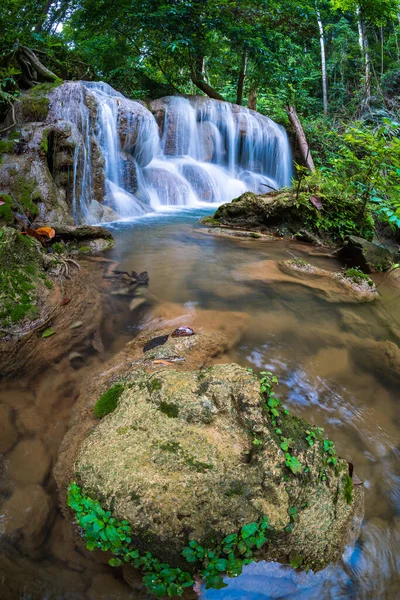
(20, 267)
(210, 221)
(6, 209)
(347, 488)
(255, 235)
(197, 465)
(84, 249)
(48, 284)
(107, 403)
(6, 146)
(44, 144)
(171, 410)
(173, 447)
(35, 103)
(358, 276)
(236, 489)
(59, 247)
(122, 430)
(154, 385)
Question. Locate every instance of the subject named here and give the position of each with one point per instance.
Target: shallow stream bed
(316, 348)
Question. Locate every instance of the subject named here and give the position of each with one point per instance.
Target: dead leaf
(316, 201)
(65, 301)
(48, 232)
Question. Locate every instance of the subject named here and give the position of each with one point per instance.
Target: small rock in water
(182, 332)
(136, 302)
(157, 341)
(75, 359)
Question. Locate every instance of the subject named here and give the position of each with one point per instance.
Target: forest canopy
(336, 63)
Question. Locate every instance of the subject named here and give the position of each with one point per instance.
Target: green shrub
(107, 403)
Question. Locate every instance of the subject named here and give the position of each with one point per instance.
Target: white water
(207, 151)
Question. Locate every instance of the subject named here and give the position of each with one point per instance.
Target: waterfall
(184, 151)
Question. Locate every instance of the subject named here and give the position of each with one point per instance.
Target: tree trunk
(363, 41)
(242, 75)
(252, 99)
(43, 17)
(43, 72)
(197, 76)
(323, 61)
(301, 137)
(205, 87)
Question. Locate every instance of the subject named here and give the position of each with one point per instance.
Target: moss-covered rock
(368, 255)
(288, 212)
(195, 455)
(20, 269)
(34, 104)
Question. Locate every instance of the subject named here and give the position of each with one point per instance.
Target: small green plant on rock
(358, 276)
(104, 532)
(108, 401)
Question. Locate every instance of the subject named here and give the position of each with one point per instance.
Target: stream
(306, 341)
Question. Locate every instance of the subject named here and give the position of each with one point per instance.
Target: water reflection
(314, 347)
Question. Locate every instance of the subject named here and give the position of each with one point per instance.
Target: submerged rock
(331, 286)
(195, 455)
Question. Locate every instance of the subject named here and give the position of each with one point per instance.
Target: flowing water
(316, 349)
(201, 151)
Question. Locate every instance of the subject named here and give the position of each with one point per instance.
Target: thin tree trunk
(242, 75)
(363, 41)
(301, 137)
(323, 61)
(252, 99)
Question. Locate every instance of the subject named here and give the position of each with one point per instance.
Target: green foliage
(171, 410)
(108, 401)
(230, 555)
(360, 179)
(104, 532)
(358, 276)
(330, 451)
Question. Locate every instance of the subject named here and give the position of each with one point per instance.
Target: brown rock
(27, 515)
(29, 462)
(8, 433)
(105, 587)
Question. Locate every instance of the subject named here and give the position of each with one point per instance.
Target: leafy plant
(329, 449)
(104, 532)
(230, 555)
(293, 463)
(358, 276)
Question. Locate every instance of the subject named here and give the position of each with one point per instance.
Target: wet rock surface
(176, 457)
(331, 286)
(368, 255)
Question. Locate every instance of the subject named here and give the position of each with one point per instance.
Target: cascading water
(185, 152)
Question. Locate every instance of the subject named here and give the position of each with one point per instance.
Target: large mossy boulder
(188, 455)
(294, 213)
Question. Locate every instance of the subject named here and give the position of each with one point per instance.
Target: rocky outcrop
(275, 212)
(330, 286)
(42, 295)
(369, 256)
(195, 454)
(52, 168)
